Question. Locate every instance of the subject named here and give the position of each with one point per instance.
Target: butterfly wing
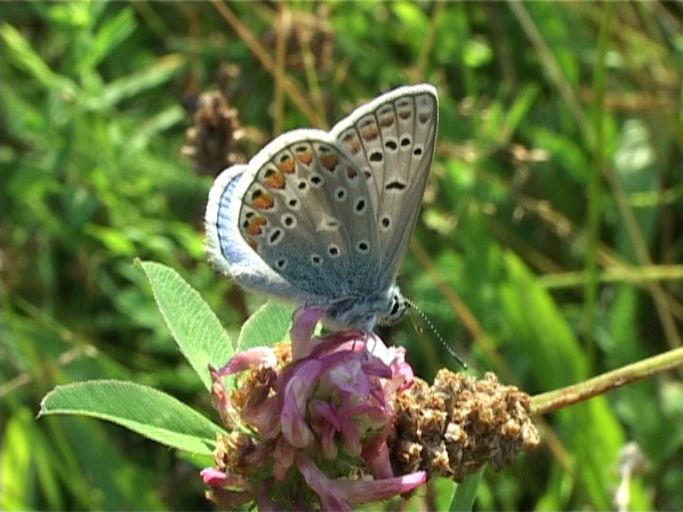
(392, 139)
(227, 249)
(303, 212)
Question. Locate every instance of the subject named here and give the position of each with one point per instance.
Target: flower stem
(552, 400)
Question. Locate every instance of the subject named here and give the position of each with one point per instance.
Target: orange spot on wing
(370, 134)
(275, 179)
(254, 225)
(386, 122)
(262, 200)
(286, 164)
(329, 162)
(404, 114)
(305, 157)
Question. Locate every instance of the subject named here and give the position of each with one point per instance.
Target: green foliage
(557, 169)
(195, 328)
(141, 409)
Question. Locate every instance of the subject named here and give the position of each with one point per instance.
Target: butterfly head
(363, 313)
(398, 308)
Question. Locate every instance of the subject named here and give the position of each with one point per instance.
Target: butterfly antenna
(433, 328)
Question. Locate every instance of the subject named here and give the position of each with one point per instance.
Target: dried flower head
(212, 142)
(459, 424)
(307, 36)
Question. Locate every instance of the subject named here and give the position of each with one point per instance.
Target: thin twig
(552, 400)
(292, 89)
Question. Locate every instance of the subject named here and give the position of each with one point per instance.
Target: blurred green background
(549, 248)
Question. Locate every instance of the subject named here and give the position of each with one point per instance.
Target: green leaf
(196, 329)
(15, 454)
(269, 325)
(149, 77)
(112, 33)
(24, 56)
(466, 492)
(142, 409)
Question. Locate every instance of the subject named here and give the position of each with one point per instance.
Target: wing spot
(351, 172)
(386, 222)
(376, 156)
(303, 154)
(395, 185)
(316, 259)
(316, 180)
(370, 134)
(329, 161)
(405, 141)
(417, 151)
(274, 178)
(281, 263)
(333, 251)
(276, 236)
(360, 205)
(386, 122)
(340, 194)
(262, 200)
(424, 118)
(289, 221)
(303, 185)
(286, 164)
(363, 247)
(367, 174)
(253, 226)
(293, 204)
(391, 145)
(405, 114)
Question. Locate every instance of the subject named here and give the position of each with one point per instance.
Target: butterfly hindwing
(307, 213)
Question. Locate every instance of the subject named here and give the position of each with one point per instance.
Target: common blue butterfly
(326, 217)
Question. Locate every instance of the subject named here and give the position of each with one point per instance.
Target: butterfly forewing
(309, 215)
(392, 138)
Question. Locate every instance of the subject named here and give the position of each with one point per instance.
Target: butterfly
(325, 218)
